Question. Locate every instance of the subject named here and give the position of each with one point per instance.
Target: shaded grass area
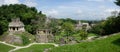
(5, 48)
(117, 42)
(92, 34)
(25, 37)
(110, 44)
(35, 48)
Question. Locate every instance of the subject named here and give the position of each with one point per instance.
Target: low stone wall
(13, 39)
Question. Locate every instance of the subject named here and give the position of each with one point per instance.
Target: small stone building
(16, 25)
(81, 26)
(43, 35)
(78, 26)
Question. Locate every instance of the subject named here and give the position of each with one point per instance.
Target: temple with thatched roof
(16, 25)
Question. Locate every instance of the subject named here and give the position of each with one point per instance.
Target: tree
(117, 2)
(25, 13)
(83, 34)
(109, 26)
(3, 24)
(68, 28)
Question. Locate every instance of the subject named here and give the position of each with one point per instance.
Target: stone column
(15, 29)
(22, 29)
(46, 32)
(9, 29)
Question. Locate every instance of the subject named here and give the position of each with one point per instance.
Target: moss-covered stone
(23, 38)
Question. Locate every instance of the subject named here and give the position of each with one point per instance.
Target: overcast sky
(75, 9)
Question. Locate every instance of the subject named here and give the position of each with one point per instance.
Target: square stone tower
(43, 35)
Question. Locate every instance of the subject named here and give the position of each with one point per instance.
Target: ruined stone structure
(16, 33)
(86, 26)
(43, 35)
(16, 26)
(81, 26)
(13, 39)
(78, 26)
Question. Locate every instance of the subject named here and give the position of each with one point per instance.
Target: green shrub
(25, 40)
(83, 34)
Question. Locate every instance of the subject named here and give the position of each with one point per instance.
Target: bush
(83, 34)
(25, 40)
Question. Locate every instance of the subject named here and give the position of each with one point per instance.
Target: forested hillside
(28, 15)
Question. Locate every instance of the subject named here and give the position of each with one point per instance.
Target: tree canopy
(25, 13)
(109, 26)
(117, 2)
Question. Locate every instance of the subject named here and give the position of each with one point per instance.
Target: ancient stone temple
(81, 26)
(86, 26)
(43, 35)
(16, 25)
(78, 26)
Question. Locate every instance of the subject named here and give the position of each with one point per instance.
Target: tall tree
(117, 2)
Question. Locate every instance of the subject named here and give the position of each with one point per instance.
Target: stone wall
(12, 39)
(42, 38)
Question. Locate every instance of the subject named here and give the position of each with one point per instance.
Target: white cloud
(100, 0)
(1, 2)
(30, 3)
(102, 7)
(111, 10)
(96, 0)
(62, 7)
(52, 12)
(11, 1)
(79, 11)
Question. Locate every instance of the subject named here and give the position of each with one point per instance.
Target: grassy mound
(35, 48)
(110, 44)
(5, 48)
(24, 38)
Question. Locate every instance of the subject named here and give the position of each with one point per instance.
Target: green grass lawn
(110, 44)
(5, 48)
(35, 48)
(91, 34)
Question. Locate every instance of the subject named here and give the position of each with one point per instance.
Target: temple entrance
(13, 28)
(17, 28)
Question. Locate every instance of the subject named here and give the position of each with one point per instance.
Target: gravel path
(20, 47)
